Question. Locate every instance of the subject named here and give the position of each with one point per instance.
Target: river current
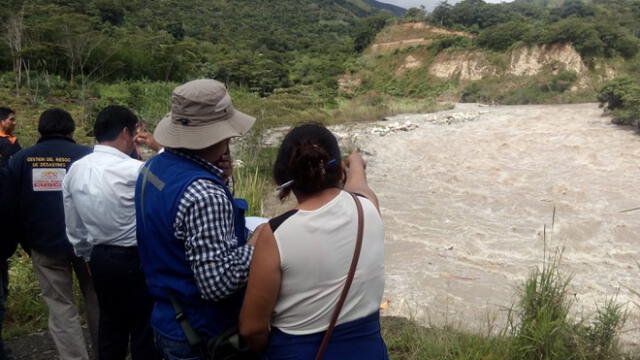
(466, 204)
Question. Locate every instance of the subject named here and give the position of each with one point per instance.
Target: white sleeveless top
(316, 248)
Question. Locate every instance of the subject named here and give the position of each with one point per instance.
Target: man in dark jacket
(35, 176)
(9, 144)
(8, 246)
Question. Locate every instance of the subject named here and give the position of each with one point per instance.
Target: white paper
(252, 222)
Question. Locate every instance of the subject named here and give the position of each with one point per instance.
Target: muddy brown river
(465, 205)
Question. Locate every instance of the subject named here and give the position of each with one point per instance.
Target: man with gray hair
(191, 231)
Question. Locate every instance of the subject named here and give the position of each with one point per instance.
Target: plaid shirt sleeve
(205, 222)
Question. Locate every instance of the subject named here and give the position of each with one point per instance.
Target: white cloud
(429, 4)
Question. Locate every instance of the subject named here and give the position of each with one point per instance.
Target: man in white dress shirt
(101, 225)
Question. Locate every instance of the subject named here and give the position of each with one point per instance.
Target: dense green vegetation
(622, 97)
(64, 52)
(262, 45)
(597, 28)
(605, 33)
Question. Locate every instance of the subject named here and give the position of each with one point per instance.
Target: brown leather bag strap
(347, 284)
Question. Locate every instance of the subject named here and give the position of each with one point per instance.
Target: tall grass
(542, 329)
(251, 186)
(545, 330)
(539, 327)
(407, 340)
(26, 311)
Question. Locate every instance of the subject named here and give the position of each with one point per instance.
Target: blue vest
(159, 189)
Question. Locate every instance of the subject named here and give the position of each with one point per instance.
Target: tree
(86, 48)
(622, 97)
(574, 8)
(15, 40)
(367, 30)
(111, 11)
(441, 15)
(501, 37)
(415, 14)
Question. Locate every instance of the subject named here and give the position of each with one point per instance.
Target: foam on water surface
(464, 205)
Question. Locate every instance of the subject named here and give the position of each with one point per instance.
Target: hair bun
(309, 162)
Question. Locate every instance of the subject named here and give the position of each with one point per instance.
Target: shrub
(451, 42)
(560, 82)
(502, 36)
(149, 100)
(601, 334)
(474, 93)
(543, 328)
(621, 96)
(26, 308)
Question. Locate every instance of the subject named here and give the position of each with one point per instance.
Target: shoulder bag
(345, 290)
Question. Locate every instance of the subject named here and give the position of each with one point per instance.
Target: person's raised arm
(262, 290)
(357, 178)
(146, 138)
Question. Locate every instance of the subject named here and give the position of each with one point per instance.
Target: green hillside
(512, 53)
(292, 54)
(260, 44)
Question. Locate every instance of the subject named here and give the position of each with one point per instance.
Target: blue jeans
(175, 350)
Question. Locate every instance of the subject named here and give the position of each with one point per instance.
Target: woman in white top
(301, 259)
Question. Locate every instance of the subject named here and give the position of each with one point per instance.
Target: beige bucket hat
(201, 115)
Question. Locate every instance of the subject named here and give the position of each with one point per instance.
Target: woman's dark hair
(56, 122)
(310, 157)
(111, 120)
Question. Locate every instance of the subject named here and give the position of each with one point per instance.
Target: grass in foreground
(539, 328)
(26, 310)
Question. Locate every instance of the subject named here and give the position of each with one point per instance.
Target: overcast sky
(429, 4)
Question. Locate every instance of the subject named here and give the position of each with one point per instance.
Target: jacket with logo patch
(35, 177)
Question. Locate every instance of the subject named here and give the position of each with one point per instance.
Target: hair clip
(285, 185)
(331, 162)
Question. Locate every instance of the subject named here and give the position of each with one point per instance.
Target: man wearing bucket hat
(191, 231)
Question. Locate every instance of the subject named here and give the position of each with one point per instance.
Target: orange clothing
(12, 139)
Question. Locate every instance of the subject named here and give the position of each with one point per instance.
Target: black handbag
(228, 345)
